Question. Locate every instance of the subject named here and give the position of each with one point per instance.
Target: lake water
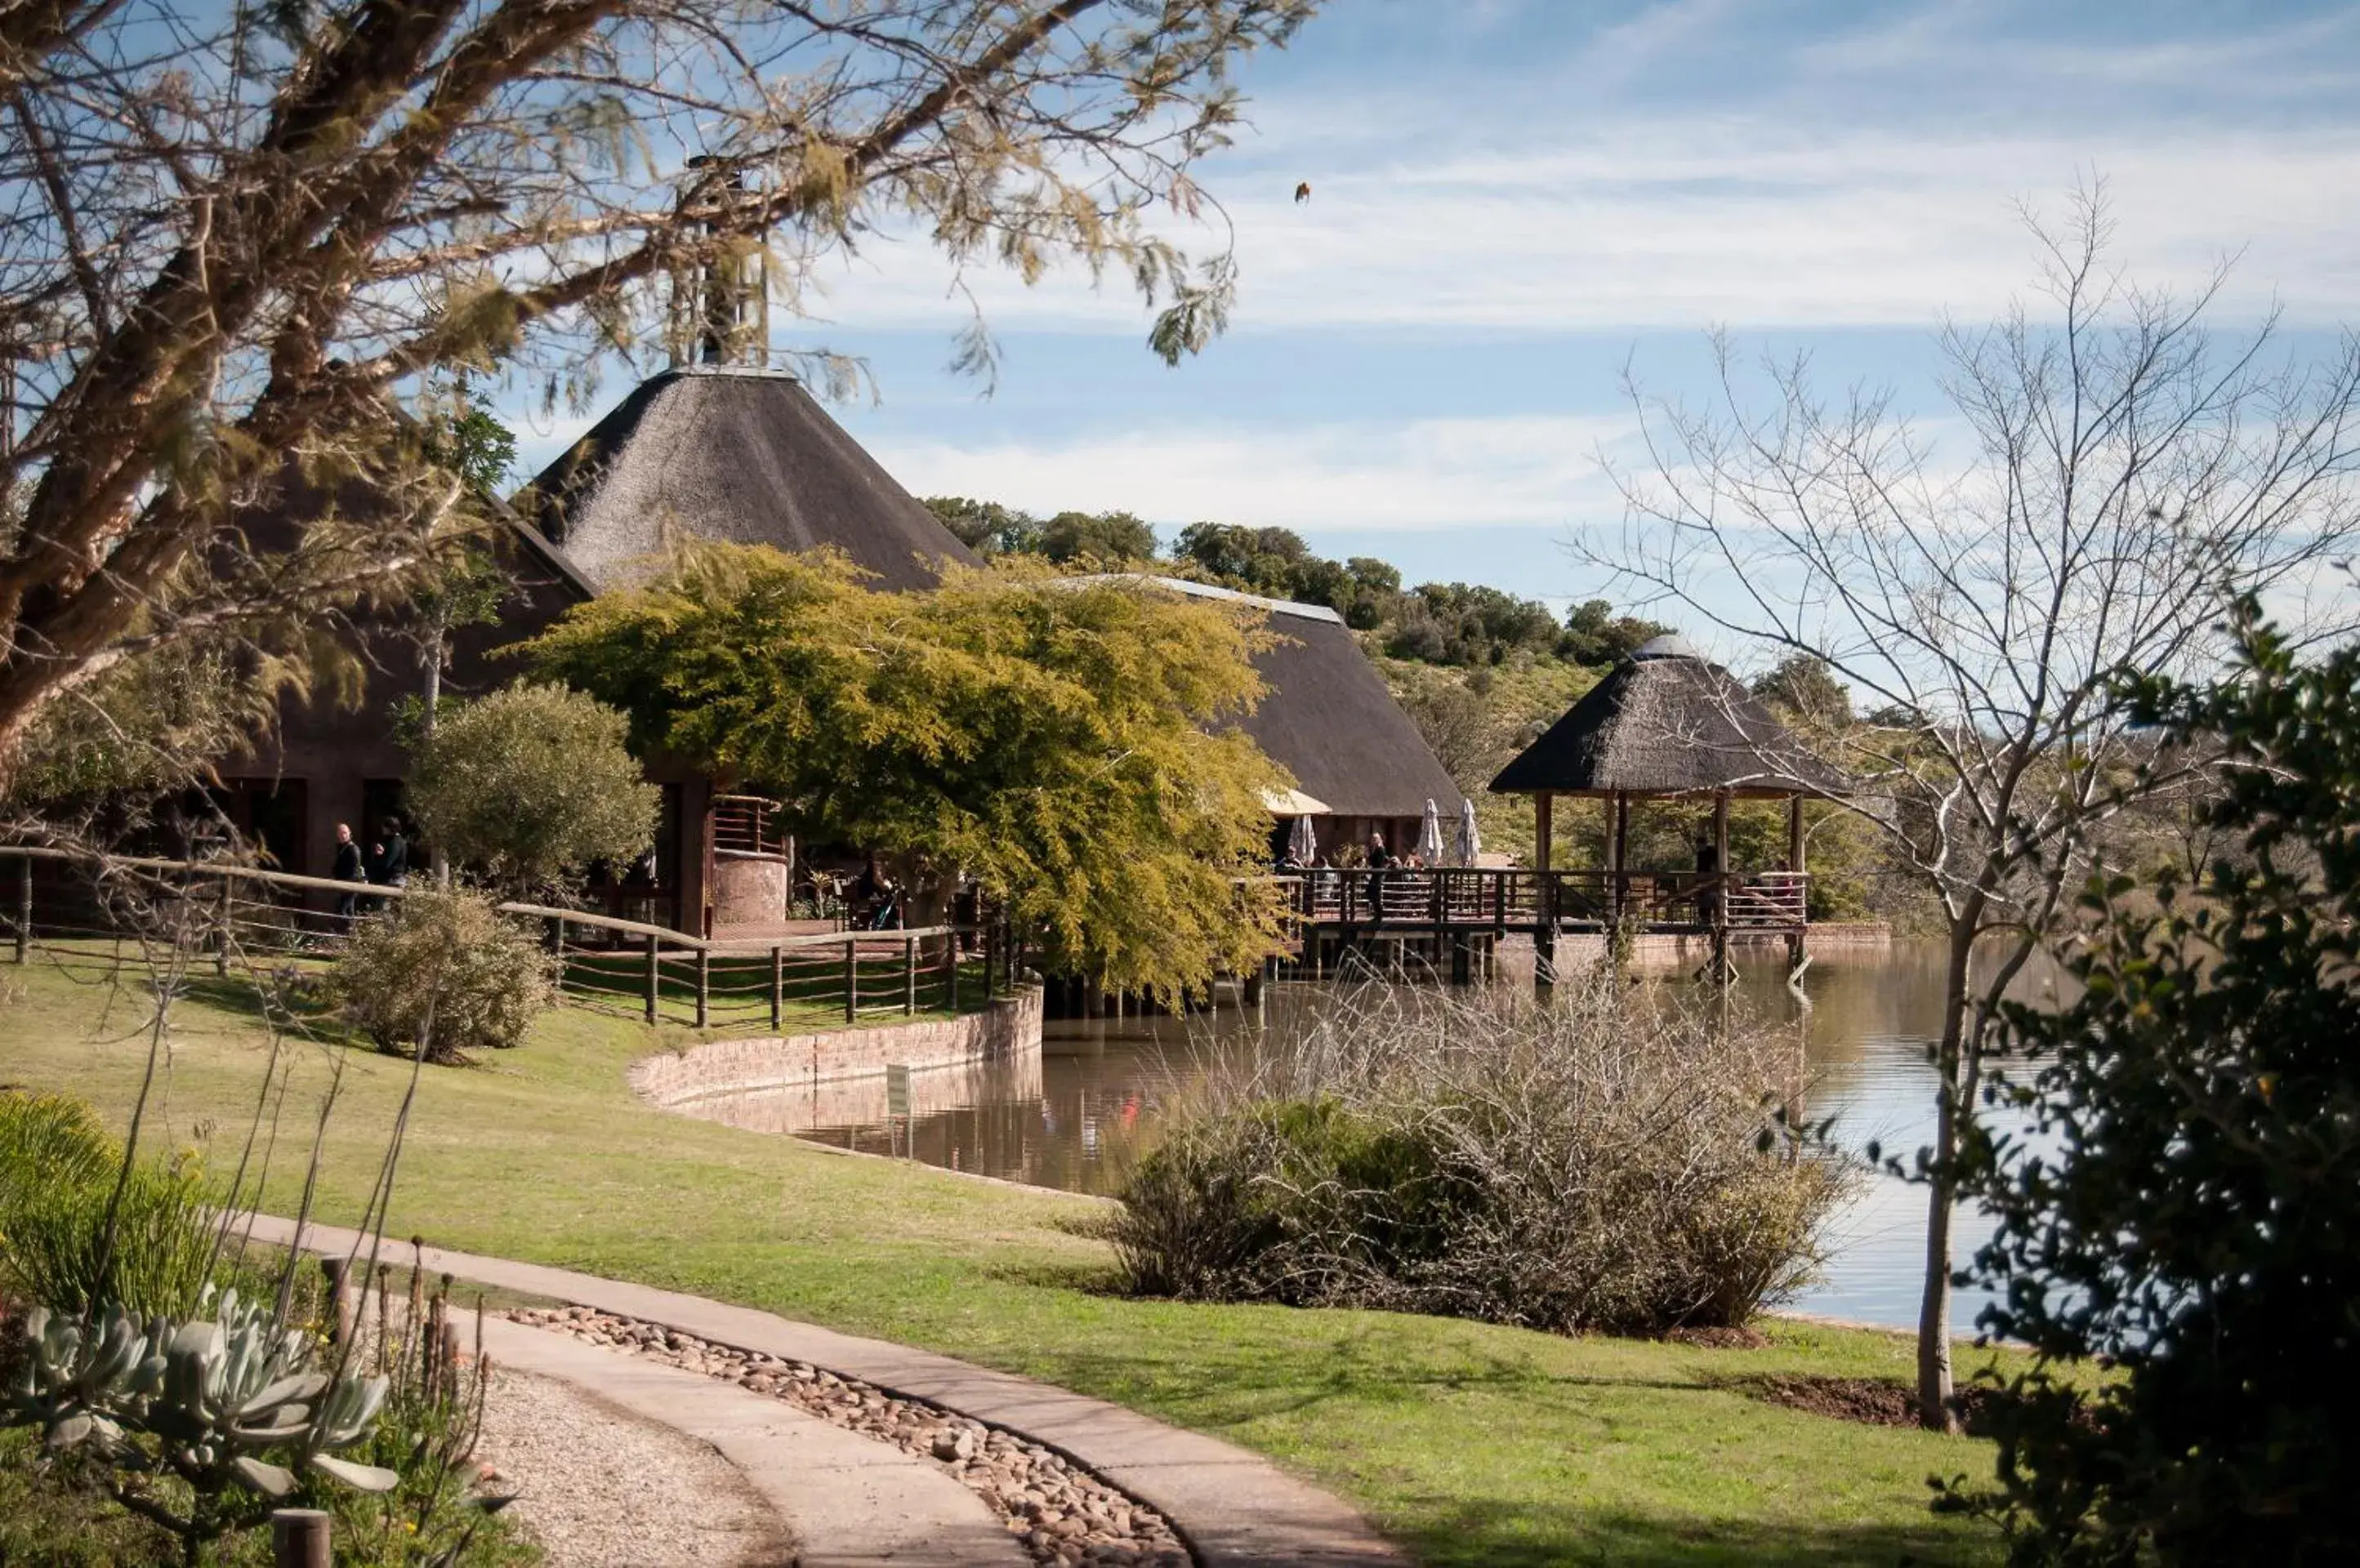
(1071, 1119)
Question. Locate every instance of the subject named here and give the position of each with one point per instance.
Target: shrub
(448, 959)
(2187, 1212)
(1606, 1162)
(58, 1171)
(530, 782)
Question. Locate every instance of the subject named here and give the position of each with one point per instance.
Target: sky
(1519, 208)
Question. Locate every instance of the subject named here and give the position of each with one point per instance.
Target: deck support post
(1543, 804)
(1720, 974)
(1798, 949)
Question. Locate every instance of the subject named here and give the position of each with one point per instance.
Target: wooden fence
(625, 967)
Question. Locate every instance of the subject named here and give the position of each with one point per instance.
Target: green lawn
(1471, 1443)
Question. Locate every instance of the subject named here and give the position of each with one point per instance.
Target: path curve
(1233, 1508)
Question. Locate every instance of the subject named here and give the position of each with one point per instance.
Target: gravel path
(1060, 1513)
(599, 1488)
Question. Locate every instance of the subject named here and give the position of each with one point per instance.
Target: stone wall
(1009, 1027)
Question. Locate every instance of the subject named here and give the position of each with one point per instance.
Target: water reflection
(1091, 1104)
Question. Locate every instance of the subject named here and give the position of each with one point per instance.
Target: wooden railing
(1514, 898)
(248, 916)
(750, 824)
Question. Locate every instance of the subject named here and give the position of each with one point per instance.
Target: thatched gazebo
(1669, 723)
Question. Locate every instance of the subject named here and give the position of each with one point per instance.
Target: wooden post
(24, 906)
(221, 930)
(852, 979)
(909, 975)
(654, 979)
(704, 986)
(299, 1538)
(1720, 897)
(778, 985)
(340, 1305)
(951, 973)
(1796, 940)
(557, 947)
(1622, 848)
(1543, 804)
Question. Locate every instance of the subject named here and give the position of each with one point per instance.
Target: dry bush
(448, 967)
(1614, 1160)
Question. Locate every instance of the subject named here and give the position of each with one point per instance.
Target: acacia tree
(1065, 741)
(239, 238)
(2124, 475)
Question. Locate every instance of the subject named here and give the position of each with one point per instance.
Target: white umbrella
(1471, 841)
(1301, 844)
(1429, 836)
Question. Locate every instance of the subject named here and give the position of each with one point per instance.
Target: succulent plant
(216, 1395)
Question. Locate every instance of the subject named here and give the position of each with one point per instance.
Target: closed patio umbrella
(1301, 844)
(1429, 836)
(1471, 841)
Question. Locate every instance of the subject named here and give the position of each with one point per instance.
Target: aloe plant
(230, 1403)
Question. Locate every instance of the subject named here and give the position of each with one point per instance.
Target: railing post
(23, 907)
(778, 985)
(299, 1538)
(951, 977)
(852, 979)
(909, 975)
(704, 985)
(220, 929)
(653, 977)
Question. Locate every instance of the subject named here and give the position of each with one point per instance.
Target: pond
(1071, 1119)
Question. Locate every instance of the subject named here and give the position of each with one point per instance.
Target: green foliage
(445, 966)
(1602, 1163)
(989, 529)
(1595, 635)
(150, 725)
(58, 1175)
(2185, 1211)
(1804, 695)
(530, 782)
(1059, 739)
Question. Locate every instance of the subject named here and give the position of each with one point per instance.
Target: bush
(530, 782)
(2188, 1214)
(1606, 1162)
(450, 960)
(58, 1169)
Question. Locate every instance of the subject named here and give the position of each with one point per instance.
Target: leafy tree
(245, 239)
(1109, 536)
(1595, 635)
(1804, 692)
(1064, 741)
(530, 782)
(988, 527)
(1459, 622)
(2185, 1211)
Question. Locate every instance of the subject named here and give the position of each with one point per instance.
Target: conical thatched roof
(1668, 721)
(744, 456)
(1328, 720)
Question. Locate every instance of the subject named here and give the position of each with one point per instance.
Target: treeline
(1461, 625)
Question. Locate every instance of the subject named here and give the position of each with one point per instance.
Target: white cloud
(1532, 470)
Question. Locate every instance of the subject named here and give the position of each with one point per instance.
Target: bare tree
(2116, 472)
(239, 238)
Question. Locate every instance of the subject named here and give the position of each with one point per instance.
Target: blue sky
(1514, 199)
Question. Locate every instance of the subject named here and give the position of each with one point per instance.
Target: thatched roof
(728, 453)
(1329, 721)
(1668, 721)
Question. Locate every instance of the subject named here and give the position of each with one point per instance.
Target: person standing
(348, 869)
(388, 860)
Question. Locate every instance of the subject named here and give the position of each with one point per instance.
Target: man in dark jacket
(388, 862)
(348, 869)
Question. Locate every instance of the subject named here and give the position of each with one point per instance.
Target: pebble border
(1057, 1511)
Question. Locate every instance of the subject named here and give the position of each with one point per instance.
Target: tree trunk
(1950, 1103)
(432, 657)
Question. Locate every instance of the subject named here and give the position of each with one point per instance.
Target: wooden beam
(1795, 832)
(1542, 803)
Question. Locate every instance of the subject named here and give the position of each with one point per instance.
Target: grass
(1469, 1443)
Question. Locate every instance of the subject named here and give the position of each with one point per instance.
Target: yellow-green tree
(1067, 741)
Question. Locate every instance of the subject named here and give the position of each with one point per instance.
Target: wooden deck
(1456, 900)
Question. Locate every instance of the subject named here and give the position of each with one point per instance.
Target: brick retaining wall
(1005, 1028)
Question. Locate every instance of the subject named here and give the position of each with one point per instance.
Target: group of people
(385, 864)
(1374, 855)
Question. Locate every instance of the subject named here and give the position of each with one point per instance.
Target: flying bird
(1303, 191)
